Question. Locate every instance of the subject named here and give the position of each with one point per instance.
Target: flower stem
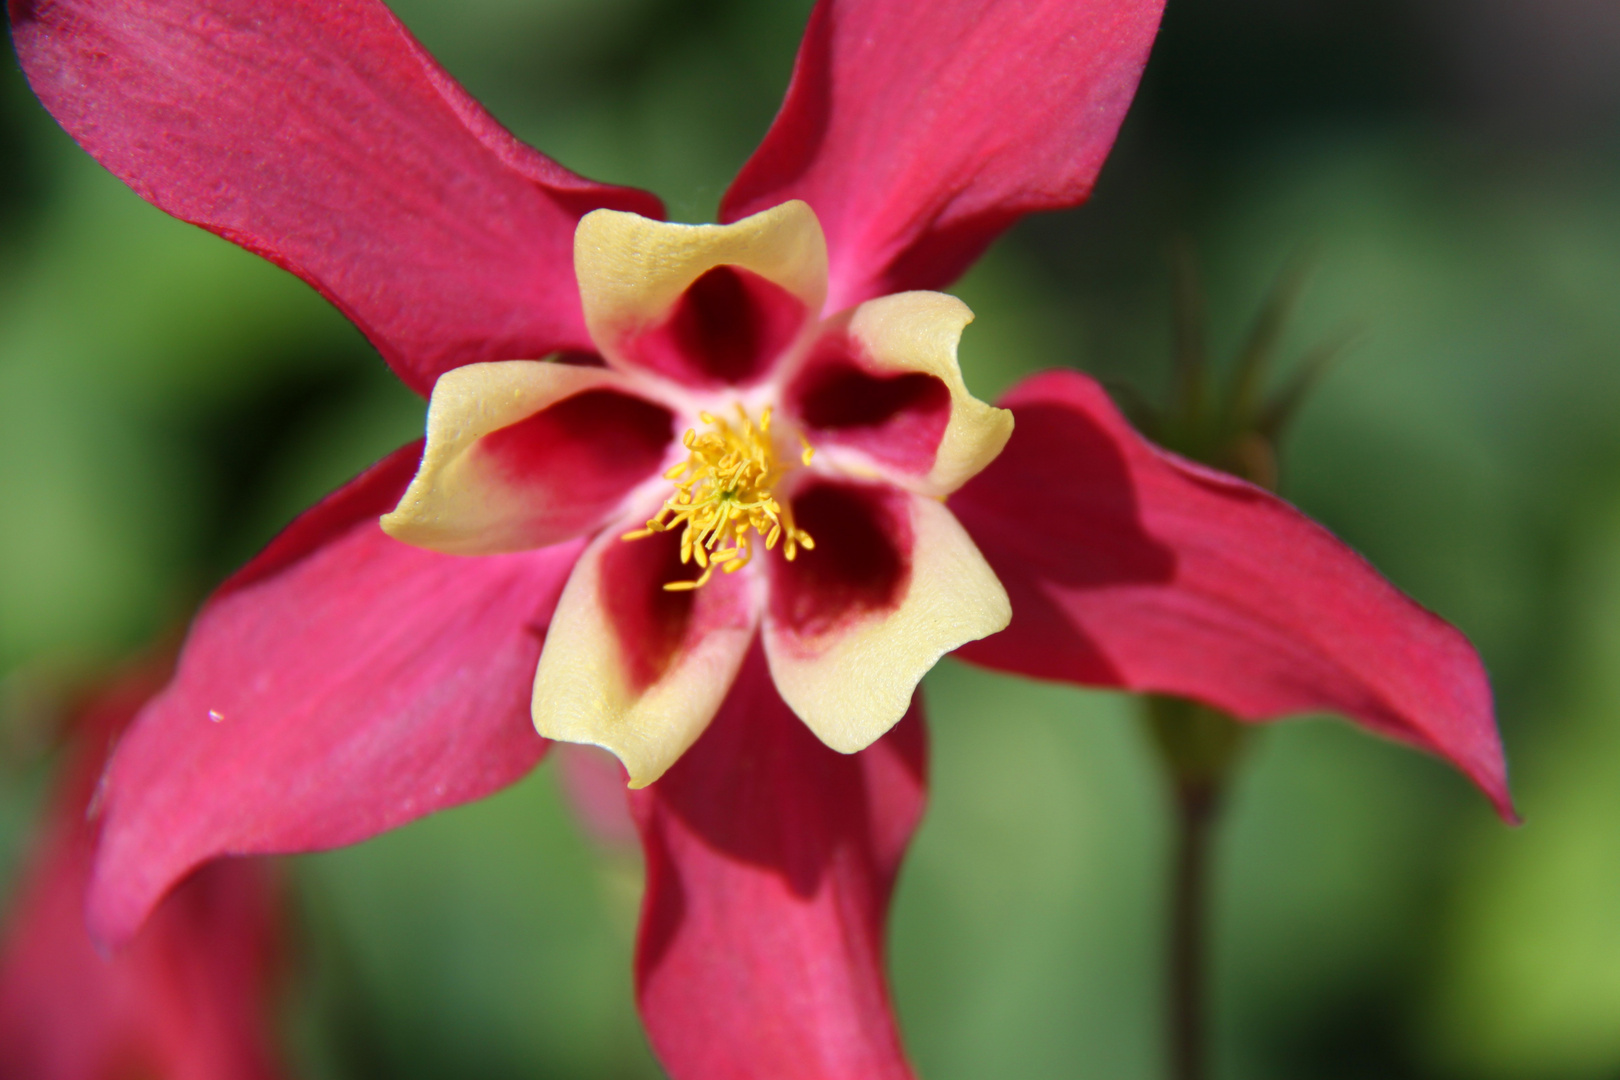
(1198, 747)
(1194, 824)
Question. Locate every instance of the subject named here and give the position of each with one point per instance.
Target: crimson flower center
(725, 496)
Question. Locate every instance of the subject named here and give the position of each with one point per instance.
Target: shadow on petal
(1133, 568)
(1060, 498)
(770, 865)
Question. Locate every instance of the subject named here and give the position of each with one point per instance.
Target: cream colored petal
(919, 332)
(585, 690)
(461, 502)
(853, 684)
(632, 269)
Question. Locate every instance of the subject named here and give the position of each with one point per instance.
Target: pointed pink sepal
(320, 135)
(1134, 568)
(341, 684)
(917, 132)
(770, 863)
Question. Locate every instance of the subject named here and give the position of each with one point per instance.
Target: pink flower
(360, 673)
(189, 999)
(803, 506)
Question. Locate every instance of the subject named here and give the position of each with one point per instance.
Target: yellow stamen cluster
(723, 490)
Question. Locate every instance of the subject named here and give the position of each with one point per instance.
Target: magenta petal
(1130, 567)
(342, 684)
(319, 134)
(730, 328)
(189, 999)
(770, 863)
(897, 419)
(917, 132)
(862, 563)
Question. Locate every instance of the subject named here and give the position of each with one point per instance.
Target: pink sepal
(341, 684)
(1131, 567)
(770, 863)
(320, 135)
(917, 132)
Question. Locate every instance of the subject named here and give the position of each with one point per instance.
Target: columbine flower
(774, 414)
(802, 504)
(189, 998)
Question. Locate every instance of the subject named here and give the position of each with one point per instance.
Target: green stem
(1189, 925)
(1198, 747)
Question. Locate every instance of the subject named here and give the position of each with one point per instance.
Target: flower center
(722, 492)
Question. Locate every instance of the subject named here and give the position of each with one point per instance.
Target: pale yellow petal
(462, 502)
(852, 684)
(586, 690)
(919, 332)
(632, 269)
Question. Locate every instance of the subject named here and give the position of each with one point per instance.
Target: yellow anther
(723, 491)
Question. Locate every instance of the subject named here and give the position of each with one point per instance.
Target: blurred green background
(167, 402)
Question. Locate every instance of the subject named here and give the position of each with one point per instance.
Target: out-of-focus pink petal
(918, 132)
(319, 134)
(1131, 567)
(770, 862)
(342, 684)
(188, 1000)
(593, 781)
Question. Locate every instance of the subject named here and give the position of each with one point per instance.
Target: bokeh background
(1453, 169)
